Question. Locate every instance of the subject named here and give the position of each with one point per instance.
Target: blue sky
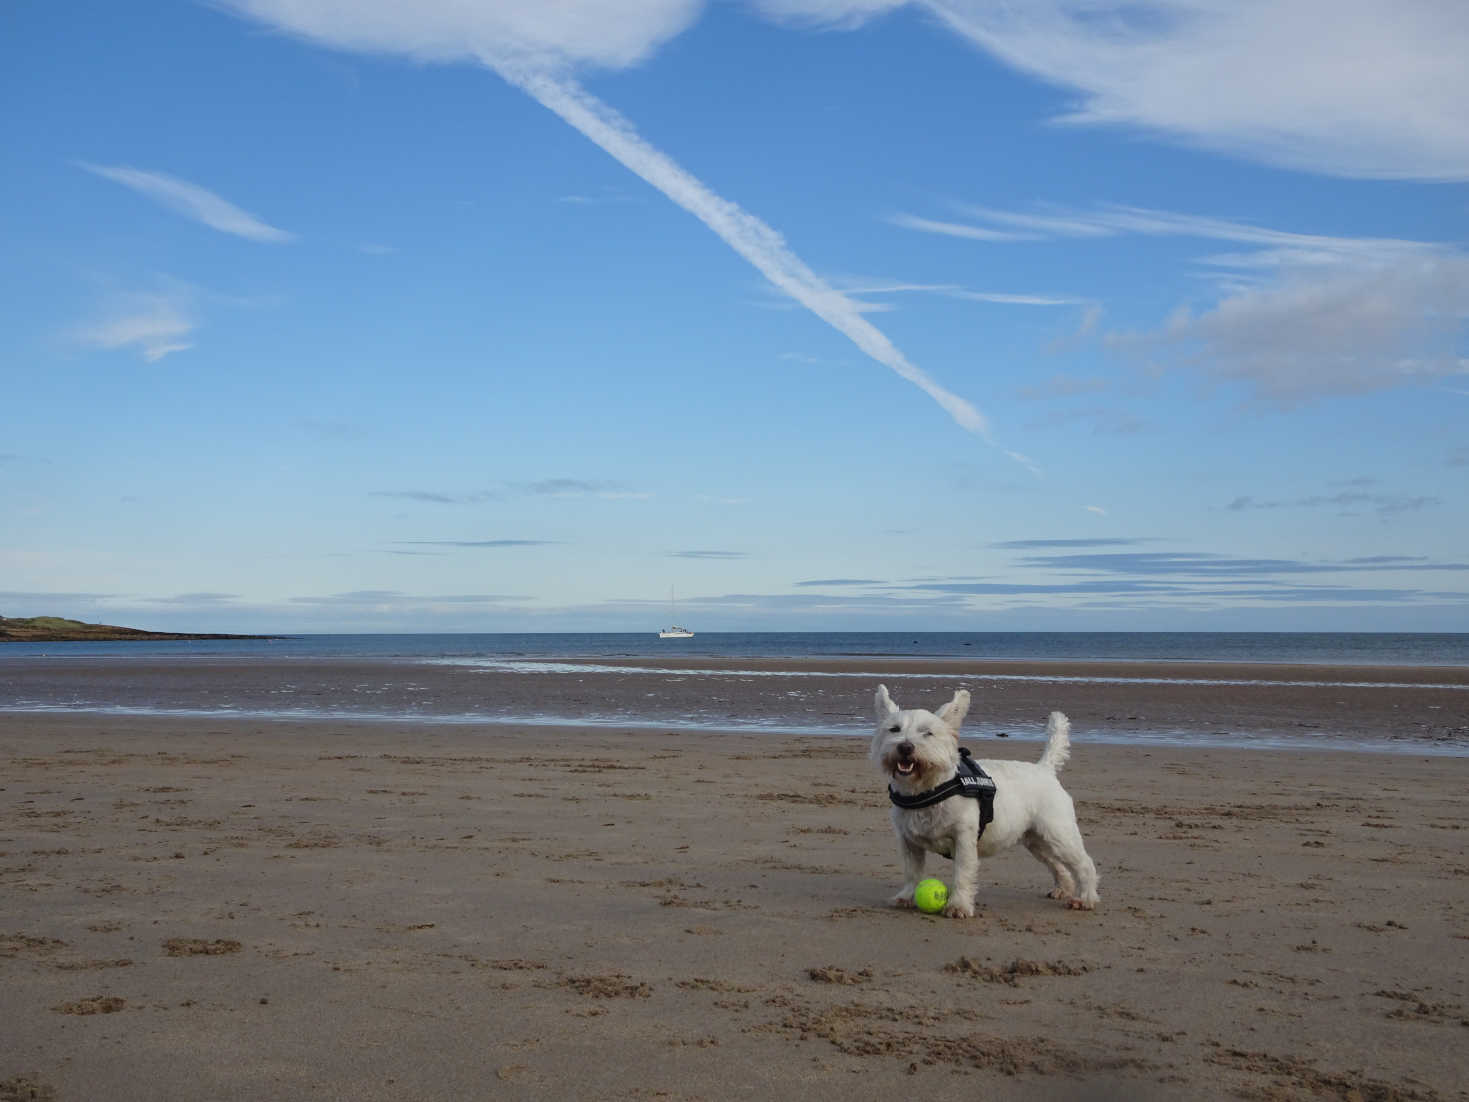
(824, 314)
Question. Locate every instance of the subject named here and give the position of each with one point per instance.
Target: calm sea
(1324, 648)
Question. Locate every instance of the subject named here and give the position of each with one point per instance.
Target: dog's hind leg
(1072, 853)
(1065, 884)
(1062, 838)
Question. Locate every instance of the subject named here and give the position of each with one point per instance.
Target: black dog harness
(971, 781)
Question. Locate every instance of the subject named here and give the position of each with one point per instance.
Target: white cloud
(191, 201)
(1363, 88)
(1356, 329)
(544, 33)
(154, 325)
(1095, 509)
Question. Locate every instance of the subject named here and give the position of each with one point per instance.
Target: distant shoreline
(55, 629)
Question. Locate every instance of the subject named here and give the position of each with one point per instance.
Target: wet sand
(1349, 706)
(237, 909)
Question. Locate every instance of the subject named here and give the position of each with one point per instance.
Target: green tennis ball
(930, 896)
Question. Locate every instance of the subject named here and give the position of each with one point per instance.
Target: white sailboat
(673, 631)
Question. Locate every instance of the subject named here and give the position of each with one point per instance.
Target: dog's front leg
(913, 858)
(966, 876)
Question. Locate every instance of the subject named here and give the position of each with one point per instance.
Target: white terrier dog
(918, 751)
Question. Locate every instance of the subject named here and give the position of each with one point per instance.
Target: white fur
(917, 750)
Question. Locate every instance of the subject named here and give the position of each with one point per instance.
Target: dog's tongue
(905, 768)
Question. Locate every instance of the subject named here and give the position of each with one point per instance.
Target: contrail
(747, 235)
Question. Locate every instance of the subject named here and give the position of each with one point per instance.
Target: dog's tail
(1058, 742)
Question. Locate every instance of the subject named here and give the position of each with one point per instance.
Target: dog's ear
(887, 713)
(884, 704)
(954, 711)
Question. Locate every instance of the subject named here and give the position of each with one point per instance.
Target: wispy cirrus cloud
(864, 289)
(192, 201)
(708, 555)
(1272, 248)
(153, 324)
(966, 230)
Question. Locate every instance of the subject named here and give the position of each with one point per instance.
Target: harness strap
(971, 780)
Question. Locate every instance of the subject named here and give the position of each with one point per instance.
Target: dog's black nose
(905, 750)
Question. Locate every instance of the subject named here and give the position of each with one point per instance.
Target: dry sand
(211, 909)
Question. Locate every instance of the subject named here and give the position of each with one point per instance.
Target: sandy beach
(237, 909)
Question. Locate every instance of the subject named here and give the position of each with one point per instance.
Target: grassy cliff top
(56, 629)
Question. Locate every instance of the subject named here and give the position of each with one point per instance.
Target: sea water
(1312, 648)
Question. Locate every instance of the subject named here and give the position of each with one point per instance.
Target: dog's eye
(894, 729)
(926, 734)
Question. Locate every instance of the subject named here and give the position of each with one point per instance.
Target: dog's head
(917, 749)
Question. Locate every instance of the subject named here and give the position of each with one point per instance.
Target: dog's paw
(904, 900)
(957, 908)
(1075, 904)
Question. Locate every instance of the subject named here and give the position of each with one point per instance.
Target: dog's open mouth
(905, 768)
